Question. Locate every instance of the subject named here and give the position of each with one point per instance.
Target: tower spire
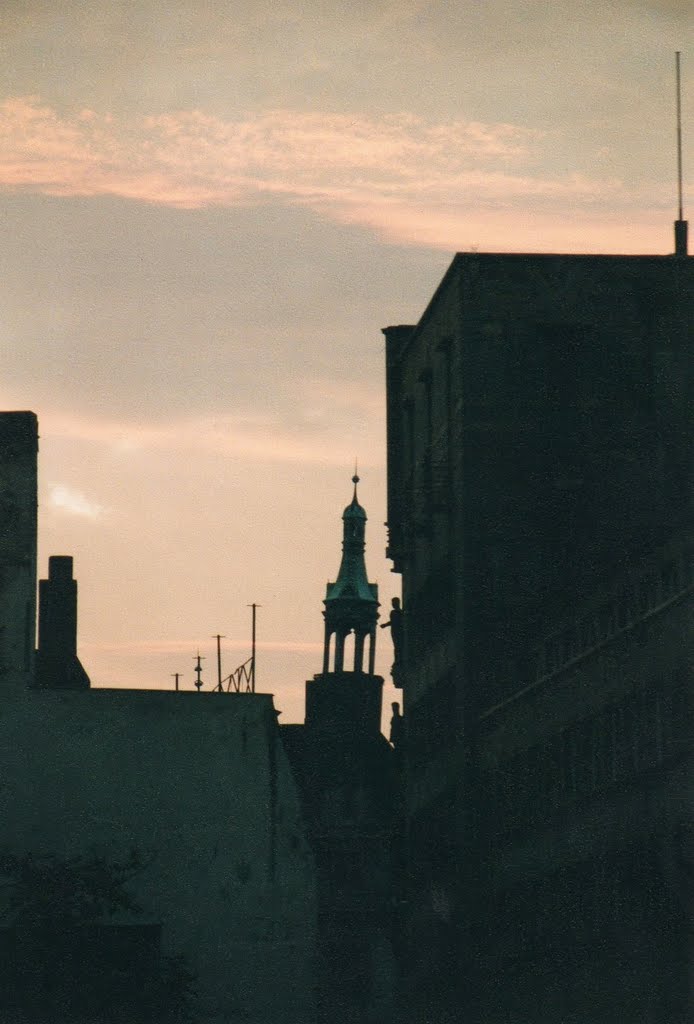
(351, 602)
(343, 702)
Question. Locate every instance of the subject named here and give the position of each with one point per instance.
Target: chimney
(57, 664)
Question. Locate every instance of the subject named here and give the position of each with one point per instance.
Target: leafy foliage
(56, 893)
(66, 962)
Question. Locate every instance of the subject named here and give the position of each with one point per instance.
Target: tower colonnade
(351, 602)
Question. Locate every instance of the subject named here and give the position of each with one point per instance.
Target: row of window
(429, 410)
(581, 636)
(426, 446)
(429, 490)
(606, 898)
(623, 740)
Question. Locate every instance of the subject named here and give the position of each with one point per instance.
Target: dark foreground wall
(199, 786)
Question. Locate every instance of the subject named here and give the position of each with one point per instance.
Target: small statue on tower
(395, 624)
(396, 726)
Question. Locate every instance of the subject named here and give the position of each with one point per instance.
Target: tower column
(326, 649)
(339, 651)
(358, 650)
(372, 650)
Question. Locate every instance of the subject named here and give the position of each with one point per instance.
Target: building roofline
(144, 695)
(462, 257)
(461, 254)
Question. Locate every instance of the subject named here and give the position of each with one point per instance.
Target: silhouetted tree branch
(56, 909)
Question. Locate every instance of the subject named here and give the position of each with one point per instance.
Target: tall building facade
(540, 513)
(18, 469)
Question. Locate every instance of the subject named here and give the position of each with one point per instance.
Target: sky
(209, 211)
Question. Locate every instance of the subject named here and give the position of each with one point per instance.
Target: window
(409, 437)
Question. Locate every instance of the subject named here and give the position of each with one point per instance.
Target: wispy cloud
(384, 172)
(314, 438)
(74, 503)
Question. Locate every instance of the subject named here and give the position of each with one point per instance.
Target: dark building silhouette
(540, 513)
(195, 789)
(344, 767)
(57, 664)
(19, 442)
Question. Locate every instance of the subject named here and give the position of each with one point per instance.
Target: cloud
(72, 502)
(322, 433)
(506, 228)
(374, 171)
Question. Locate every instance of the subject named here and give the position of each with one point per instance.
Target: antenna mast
(678, 87)
(219, 637)
(252, 680)
(681, 225)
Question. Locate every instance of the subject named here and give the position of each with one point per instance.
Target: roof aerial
(681, 225)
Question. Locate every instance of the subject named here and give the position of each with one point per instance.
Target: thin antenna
(219, 637)
(252, 682)
(681, 226)
(678, 87)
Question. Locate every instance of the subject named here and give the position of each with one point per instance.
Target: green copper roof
(352, 582)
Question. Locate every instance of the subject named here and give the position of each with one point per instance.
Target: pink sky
(208, 216)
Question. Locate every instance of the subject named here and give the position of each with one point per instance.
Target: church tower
(345, 770)
(346, 695)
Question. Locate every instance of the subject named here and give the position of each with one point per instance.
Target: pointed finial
(355, 479)
(198, 671)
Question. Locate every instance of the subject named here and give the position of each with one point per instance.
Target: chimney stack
(57, 664)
